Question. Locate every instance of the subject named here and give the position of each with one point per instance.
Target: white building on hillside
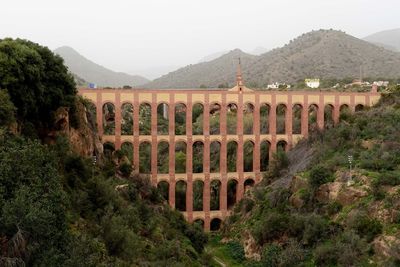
(312, 83)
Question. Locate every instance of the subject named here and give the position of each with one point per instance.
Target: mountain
(319, 54)
(390, 39)
(212, 56)
(95, 73)
(209, 74)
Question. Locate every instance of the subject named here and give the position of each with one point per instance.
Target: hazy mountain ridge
(95, 73)
(319, 54)
(389, 39)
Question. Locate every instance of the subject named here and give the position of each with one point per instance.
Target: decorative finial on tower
(239, 80)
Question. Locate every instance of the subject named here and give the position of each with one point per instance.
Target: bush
(126, 169)
(320, 175)
(236, 251)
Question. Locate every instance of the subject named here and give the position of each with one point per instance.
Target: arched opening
(296, 123)
(231, 157)
(180, 119)
(231, 118)
(180, 157)
(344, 112)
(328, 116)
(359, 107)
(231, 193)
(198, 151)
(144, 119)
(163, 157)
(180, 195)
(162, 119)
(109, 118)
(215, 155)
(197, 119)
(127, 119)
(281, 146)
(215, 111)
(248, 150)
(215, 224)
(312, 118)
(198, 188)
(264, 118)
(127, 150)
(281, 119)
(264, 155)
(108, 150)
(199, 223)
(248, 183)
(145, 157)
(163, 190)
(215, 189)
(248, 118)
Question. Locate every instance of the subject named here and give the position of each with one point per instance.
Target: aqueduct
(224, 137)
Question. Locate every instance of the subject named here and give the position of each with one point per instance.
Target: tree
(7, 109)
(37, 81)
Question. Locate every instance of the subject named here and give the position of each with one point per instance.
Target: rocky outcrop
(251, 249)
(386, 246)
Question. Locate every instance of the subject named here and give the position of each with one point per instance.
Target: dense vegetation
(56, 207)
(322, 216)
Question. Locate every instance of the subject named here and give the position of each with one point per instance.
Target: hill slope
(389, 39)
(322, 54)
(310, 213)
(95, 73)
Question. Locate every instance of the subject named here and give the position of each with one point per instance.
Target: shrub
(236, 251)
(319, 175)
(126, 169)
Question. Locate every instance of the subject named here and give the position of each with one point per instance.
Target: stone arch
(231, 192)
(215, 194)
(248, 152)
(126, 119)
(180, 195)
(198, 155)
(108, 149)
(248, 183)
(344, 112)
(359, 107)
(145, 119)
(198, 190)
(163, 157)
(296, 122)
(312, 117)
(180, 119)
(248, 118)
(264, 118)
(281, 119)
(109, 118)
(215, 224)
(163, 119)
(231, 118)
(281, 146)
(127, 150)
(215, 156)
(180, 157)
(215, 119)
(163, 189)
(197, 119)
(231, 157)
(265, 147)
(145, 157)
(328, 116)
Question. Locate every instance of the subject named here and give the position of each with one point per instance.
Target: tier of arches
(182, 160)
(231, 113)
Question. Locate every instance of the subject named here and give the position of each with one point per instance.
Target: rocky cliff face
(83, 138)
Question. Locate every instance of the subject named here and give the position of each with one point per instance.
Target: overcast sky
(137, 35)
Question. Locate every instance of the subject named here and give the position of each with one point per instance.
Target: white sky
(141, 34)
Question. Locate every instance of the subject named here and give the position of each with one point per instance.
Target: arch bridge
(205, 147)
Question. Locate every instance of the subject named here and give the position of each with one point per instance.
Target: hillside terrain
(59, 207)
(310, 210)
(389, 39)
(94, 73)
(318, 54)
